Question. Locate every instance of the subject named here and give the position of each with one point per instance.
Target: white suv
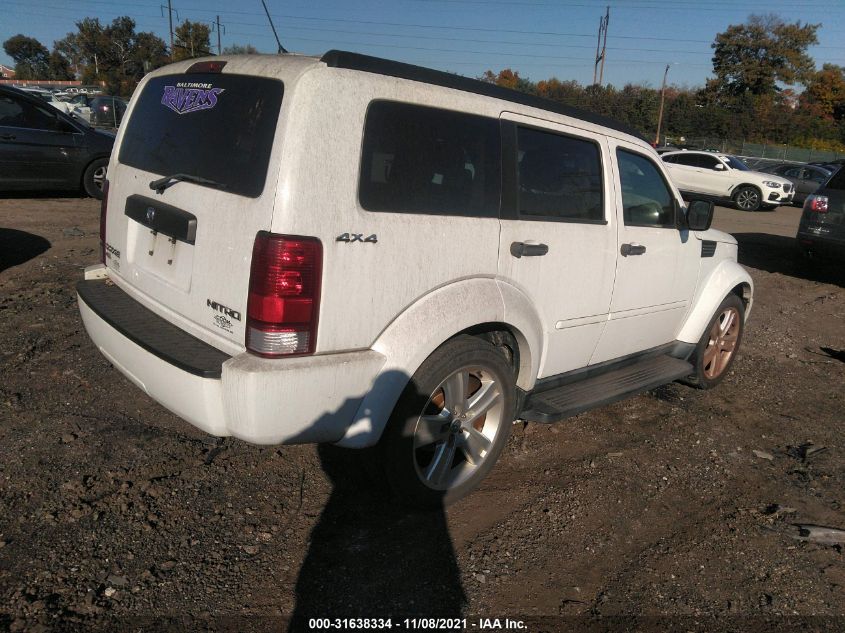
(726, 178)
(362, 252)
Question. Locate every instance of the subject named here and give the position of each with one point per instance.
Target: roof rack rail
(379, 66)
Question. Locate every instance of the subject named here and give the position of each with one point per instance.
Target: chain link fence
(769, 152)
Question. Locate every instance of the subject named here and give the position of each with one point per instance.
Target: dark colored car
(822, 228)
(806, 178)
(44, 149)
(107, 111)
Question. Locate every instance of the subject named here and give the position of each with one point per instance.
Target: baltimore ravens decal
(186, 97)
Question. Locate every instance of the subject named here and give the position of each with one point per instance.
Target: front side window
(560, 177)
(646, 199)
(708, 162)
(418, 159)
(22, 114)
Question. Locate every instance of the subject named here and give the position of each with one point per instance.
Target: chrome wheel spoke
(441, 465)
(727, 322)
(482, 401)
(474, 445)
(432, 429)
(455, 392)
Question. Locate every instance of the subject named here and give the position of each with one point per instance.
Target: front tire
(716, 351)
(450, 424)
(95, 177)
(748, 198)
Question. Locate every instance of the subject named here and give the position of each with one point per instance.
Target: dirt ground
(674, 510)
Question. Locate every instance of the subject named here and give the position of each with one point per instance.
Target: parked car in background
(107, 111)
(821, 232)
(43, 148)
(725, 178)
(805, 178)
(80, 106)
(50, 98)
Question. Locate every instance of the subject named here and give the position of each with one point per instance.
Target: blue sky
(539, 38)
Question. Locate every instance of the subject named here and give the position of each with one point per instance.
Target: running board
(559, 403)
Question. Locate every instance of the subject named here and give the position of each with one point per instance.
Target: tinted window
(22, 114)
(691, 160)
(837, 181)
(559, 177)
(669, 159)
(426, 160)
(816, 175)
(646, 199)
(793, 172)
(707, 162)
(216, 126)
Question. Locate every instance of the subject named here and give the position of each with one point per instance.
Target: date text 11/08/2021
(436, 624)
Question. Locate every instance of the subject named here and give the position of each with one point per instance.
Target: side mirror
(719, 167)
(699, 215)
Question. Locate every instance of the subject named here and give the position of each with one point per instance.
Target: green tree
(192, 40)
(237, 49)
(59, 67)
(755, 56)
(825, 93)
(31, 57)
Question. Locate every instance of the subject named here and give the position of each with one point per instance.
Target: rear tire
(95, 177)
(716, 351)
(748, 198)
(450, 424)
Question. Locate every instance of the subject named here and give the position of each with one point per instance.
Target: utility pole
(660, 111)
(218, 36)
(170, 19)
(601, 44)
(281, 48)
(170, 11)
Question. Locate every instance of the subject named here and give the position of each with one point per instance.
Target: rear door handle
(632, 249)
(8, 137)
(521, 249)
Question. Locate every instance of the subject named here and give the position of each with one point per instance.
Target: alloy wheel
(722, 342)
(457, 428)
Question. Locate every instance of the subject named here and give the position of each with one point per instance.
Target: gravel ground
(674, 510)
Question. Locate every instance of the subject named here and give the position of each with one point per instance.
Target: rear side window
(690, 160)
(559, 177)
(418, 159)
(216, 126)
(837, 181)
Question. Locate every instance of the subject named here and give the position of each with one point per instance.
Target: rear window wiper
(161, 184)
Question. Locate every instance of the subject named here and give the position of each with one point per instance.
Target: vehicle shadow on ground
(371, 557)
(35, 195)
(17, 247)
(779, 254)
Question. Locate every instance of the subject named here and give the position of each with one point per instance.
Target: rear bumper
(820, 243)
(262, 401)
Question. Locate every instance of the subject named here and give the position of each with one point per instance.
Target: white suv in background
(352, 250)
(725, 178)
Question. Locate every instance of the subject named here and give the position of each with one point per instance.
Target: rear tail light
(284, 295)
(104, 204)
(817, 204)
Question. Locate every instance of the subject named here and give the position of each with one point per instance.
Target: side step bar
(555, 404)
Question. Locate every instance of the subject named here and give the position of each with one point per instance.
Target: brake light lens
(817, 204)
(284, 295)
(104, 204)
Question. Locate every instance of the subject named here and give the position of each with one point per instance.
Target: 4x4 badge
(356, 237)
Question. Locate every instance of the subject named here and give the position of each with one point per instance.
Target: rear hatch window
(214, 126)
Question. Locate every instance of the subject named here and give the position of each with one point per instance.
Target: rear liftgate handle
(524, 249)
(632, 249)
